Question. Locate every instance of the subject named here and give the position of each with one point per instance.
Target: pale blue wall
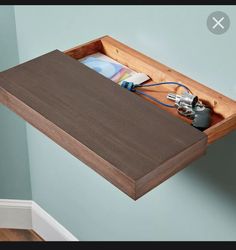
(14, 167)
(199, 202)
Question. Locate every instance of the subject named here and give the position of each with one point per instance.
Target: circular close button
(218, 22)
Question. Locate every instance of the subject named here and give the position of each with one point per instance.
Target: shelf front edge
(70, 144)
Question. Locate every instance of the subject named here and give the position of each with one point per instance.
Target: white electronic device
(137, 78)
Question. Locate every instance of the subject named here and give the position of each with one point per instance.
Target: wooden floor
(18, 235)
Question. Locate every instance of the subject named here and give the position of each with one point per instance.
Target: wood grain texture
(159, 92)
(132, 143)
(85, 49)
(18, 235)
(221, 129)
(160, 73)
(224, 108)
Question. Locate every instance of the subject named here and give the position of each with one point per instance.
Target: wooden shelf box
(131, 141)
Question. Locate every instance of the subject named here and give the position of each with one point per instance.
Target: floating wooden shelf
(131, 142)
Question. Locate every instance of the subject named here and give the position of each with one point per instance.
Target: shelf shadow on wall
(218, 167)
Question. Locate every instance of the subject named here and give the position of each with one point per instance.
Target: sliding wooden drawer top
(131, 142)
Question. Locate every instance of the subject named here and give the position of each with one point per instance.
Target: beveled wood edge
(163, 172)
(70, 144)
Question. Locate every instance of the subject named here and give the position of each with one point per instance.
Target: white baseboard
(47, 227)
(26, 214)
(15, 214)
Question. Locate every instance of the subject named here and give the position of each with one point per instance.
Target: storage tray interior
(224, 108)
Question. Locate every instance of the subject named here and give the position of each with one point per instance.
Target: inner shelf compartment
(224, 108)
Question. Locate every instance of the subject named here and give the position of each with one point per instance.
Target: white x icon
(218, 22)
